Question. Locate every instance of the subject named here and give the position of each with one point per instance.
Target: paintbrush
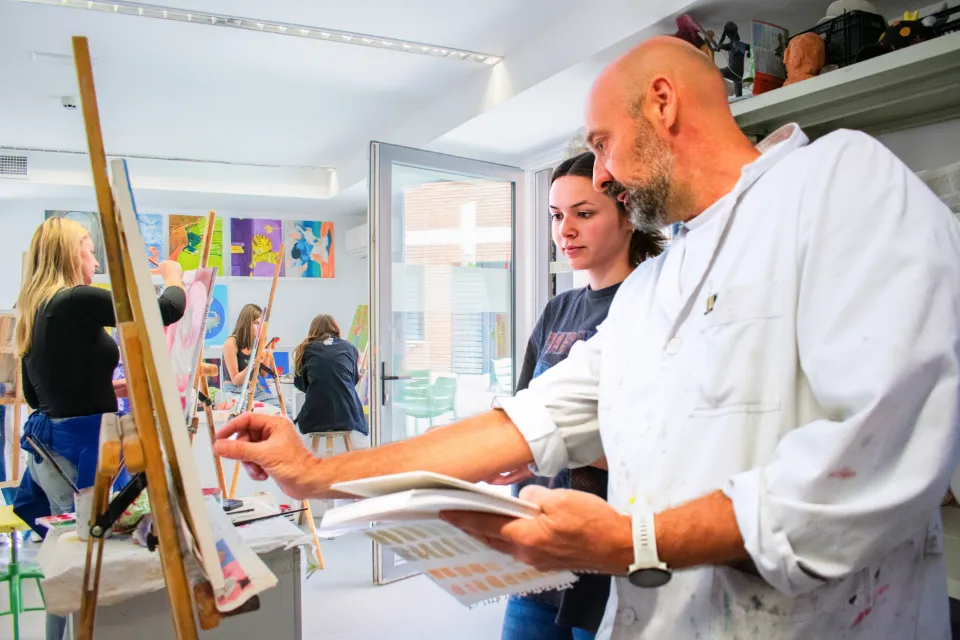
(273, 515)
(45, 454)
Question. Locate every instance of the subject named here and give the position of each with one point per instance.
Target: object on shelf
(840, 7)
(845, 35)
(900, 34)
(769, 45)
(804, 58)
(737, 51)
(689, 31)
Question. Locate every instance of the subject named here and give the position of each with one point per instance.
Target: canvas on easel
(11, 392)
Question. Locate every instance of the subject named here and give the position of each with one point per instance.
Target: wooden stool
(330, 435)
(15, 574)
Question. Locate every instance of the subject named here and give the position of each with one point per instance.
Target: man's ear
(661, 103)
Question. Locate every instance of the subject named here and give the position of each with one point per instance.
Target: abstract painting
(309, 248)
(186, 242)
(151, 229)
(282, 360)
(360, 328)
(216, 332)
(185, 337)
(91, 222)
(254, 246)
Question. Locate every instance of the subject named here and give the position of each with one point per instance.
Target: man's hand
(270, 446)
(576, 530)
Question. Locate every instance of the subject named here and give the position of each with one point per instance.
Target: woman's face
(587, 227)
(88, 261)
(255, 327)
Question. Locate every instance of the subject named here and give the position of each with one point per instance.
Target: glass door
(442, 238)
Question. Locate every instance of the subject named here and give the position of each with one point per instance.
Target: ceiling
(182, 90)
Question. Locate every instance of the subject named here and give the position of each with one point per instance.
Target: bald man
(776, 395)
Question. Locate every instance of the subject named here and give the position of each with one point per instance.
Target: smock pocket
(738, 371)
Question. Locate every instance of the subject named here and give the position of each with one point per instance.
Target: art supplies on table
(402, 512)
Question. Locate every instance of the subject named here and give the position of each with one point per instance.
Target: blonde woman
(326, 368)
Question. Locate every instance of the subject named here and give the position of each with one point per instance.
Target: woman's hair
(53, 263)
(322, 327)
(242, 331)
(643, 244)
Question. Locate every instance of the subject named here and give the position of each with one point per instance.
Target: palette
(463, 567)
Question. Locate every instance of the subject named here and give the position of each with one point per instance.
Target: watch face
(649, 578)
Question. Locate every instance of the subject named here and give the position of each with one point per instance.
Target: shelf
(907, 88)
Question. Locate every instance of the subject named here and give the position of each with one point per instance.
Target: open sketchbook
(401, 512)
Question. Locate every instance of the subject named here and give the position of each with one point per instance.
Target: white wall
(929, 147)
(297, 300)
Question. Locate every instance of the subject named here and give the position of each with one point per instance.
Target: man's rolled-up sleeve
(878, 328)
(557, 414)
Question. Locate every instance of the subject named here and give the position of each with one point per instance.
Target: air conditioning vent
(13, 166)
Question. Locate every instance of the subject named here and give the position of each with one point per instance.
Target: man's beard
(647, 205)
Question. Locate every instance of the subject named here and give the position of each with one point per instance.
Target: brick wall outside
(437, 206)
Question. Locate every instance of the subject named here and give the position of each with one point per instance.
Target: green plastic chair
(15, 574)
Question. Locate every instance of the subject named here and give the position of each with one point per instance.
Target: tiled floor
(342, 603)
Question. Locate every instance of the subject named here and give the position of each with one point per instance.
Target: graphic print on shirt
(557, 346)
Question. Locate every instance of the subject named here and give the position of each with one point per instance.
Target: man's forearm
(474, 450)
(700, 532)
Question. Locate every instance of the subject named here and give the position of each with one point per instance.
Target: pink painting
(185, 337)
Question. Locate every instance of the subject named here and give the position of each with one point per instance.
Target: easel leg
(15, 463)
(308, 514)
(212, 429)
(233, 482)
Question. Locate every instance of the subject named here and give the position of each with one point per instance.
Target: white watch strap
(644, 542)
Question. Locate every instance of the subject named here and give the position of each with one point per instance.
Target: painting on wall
(186, 241)
(151, 230)
(91, 222)
(216, 332)
(309, 249)
(185, 337)
(254, 246)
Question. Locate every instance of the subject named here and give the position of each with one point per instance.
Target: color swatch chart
(463, 567)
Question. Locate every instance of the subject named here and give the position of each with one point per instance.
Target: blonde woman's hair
(53, 263)
(322, 328)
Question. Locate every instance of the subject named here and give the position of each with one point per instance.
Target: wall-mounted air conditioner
(358, 241)
(13, 166)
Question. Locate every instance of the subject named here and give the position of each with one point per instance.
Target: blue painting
(309, 251)
(217, 316)
(151, 230)
(282, 359)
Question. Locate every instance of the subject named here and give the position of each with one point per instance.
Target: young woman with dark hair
(593, 230)
(236, 355)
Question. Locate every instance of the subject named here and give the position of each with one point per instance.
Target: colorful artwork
(186, 242)
(91, 222)
(309, 248)
(184, 337)
(255, 246)
(360, 328)
(151, 229)
(282, 360)
(215, 381)
(216, 333)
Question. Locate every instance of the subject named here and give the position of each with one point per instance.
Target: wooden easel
(200, 381)
(16, 400)
(151, 418)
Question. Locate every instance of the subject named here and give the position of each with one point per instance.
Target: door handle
(384, 377)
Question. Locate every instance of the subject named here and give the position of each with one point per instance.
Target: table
(132, 589)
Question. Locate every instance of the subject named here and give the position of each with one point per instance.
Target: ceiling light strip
(279, 28)
(298, 167)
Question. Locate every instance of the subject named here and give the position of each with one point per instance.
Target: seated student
(326, 370)
(236, 356)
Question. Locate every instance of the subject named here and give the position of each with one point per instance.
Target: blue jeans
(528, 619)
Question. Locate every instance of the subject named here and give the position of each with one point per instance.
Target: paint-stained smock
(797, 347)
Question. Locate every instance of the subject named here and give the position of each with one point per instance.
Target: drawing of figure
(262, 250)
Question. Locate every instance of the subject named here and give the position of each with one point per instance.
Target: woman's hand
(171, 272)
(120, 387)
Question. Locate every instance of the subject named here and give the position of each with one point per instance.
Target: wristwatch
(647, 570)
